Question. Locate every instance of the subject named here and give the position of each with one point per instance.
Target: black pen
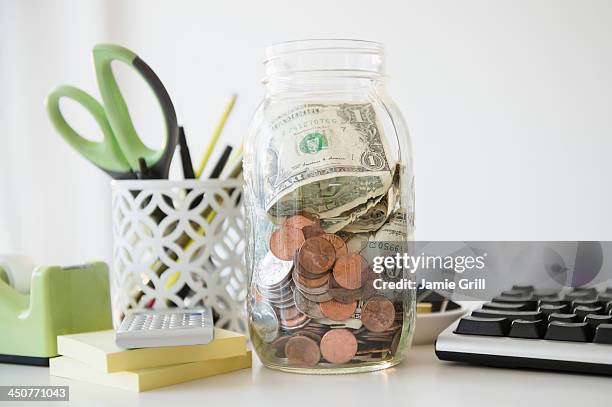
(188, 172)
(220, 165)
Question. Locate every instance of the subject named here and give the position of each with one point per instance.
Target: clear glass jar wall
(328, 187)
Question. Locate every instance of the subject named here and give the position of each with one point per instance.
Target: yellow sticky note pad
(150, 378)
(98, 351)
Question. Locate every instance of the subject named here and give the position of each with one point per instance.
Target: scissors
(121, 153)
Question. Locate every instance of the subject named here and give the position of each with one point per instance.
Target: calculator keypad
(168, 327)
(166, 320)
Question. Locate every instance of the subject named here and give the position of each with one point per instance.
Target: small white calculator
(166, 327)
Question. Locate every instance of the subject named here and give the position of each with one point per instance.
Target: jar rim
(324, 58)
(323, 44)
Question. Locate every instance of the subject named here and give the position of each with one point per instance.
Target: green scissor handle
(118, 115)
(105, 154)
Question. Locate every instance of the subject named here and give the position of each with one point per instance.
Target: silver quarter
(273, 271)
(265, 321)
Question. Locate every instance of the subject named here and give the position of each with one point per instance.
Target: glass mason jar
(328, 188)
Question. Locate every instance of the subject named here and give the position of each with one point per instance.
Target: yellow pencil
(215, 136)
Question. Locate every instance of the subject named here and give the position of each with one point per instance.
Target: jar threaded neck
(326, 57)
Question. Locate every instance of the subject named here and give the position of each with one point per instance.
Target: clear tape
(19, 271)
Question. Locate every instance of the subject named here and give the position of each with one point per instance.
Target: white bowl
(430, 325)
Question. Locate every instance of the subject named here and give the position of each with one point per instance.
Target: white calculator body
(167, 327)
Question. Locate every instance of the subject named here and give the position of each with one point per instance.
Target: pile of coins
(314, 300)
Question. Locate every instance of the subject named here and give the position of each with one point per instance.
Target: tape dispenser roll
(19, 271)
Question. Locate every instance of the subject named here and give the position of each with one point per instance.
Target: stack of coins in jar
(315, 301)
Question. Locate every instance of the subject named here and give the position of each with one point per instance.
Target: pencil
(215, 136)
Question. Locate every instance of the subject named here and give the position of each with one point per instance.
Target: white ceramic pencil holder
(179, 244)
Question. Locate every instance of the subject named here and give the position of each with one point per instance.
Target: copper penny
(338, 346)
(312, 216)
(310, 290)
(342, 294)
(279, 346)
(285, 242)
(312, 282)
(298, 222)
(378, 314)
(299, 269)
(301, 350)
(295, 323)
(349, 269)
(310, 335)
(312, 231)
(338, 311)
(337, 242)
(316, 255)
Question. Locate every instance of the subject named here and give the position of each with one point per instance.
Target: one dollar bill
(325, 159)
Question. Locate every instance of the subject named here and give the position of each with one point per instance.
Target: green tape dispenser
(38, 304)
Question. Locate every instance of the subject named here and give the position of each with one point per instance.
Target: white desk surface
(421, 380)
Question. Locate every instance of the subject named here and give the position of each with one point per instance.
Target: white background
(508, 103)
